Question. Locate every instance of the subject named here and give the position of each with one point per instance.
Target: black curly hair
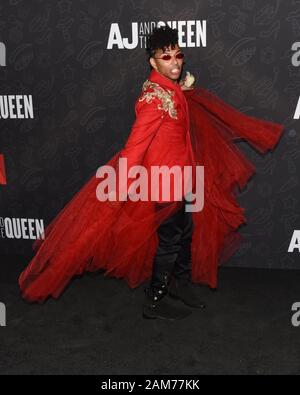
(160, 38)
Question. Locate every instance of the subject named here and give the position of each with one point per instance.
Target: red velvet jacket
(160, 134)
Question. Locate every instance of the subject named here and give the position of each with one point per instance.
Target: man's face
(169, 68)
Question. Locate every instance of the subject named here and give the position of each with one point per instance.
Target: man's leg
(169, 235)
(181, 286)
(156, 305)
(182, 266)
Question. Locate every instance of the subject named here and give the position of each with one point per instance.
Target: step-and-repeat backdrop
(70, 72)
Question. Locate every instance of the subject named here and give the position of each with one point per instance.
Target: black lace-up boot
(181, 286)
(158, 305)
(186, 291)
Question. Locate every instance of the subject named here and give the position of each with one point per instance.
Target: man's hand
(185, 88)
(188, 83)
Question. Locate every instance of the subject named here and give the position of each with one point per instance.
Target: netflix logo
(2, 171)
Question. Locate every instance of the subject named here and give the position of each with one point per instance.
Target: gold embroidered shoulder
(165, 97)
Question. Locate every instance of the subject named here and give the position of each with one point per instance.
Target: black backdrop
(83, 98)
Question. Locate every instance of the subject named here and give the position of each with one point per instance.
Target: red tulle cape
(88, 235)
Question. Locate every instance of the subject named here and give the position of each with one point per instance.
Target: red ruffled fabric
(89, 235)
(214, 128)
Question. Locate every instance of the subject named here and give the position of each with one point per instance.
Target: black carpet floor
(96, 327)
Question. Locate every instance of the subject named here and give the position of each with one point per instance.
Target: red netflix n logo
(2, 171)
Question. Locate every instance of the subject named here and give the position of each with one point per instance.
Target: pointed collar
(155, 76)
(163, 81)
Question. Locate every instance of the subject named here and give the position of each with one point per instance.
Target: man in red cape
(158, 240)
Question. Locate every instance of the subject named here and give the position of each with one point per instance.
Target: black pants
(173, 255)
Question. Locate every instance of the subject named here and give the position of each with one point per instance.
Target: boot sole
(160, 317)
(187, 304)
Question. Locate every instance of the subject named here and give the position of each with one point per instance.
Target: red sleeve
(148, 121)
